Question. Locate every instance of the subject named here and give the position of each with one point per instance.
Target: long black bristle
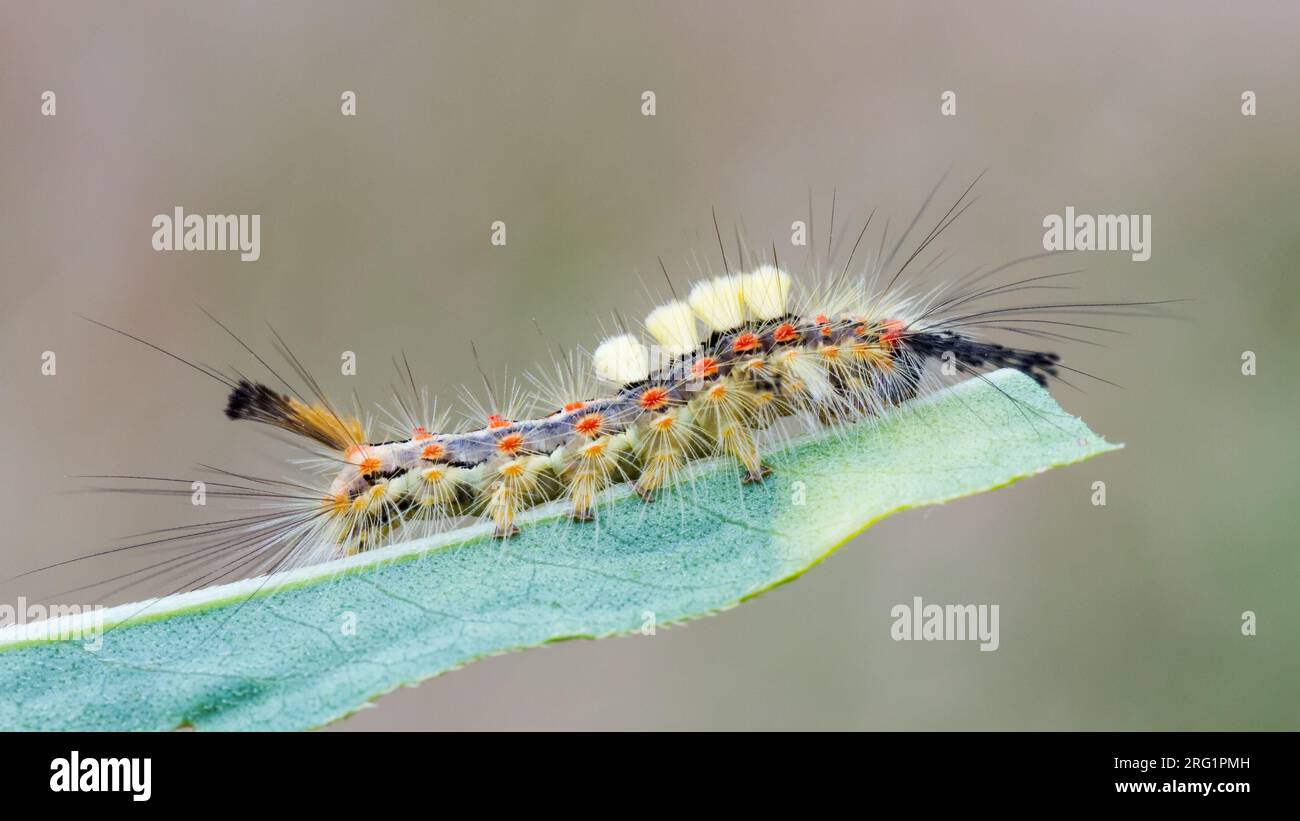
(1038, 365)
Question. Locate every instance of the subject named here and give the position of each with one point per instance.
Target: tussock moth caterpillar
(748, 353)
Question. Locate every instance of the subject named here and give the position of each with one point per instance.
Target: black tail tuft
(257, 402)
(973, 354)
(251, 400)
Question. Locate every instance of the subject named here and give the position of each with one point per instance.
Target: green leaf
(218, 659)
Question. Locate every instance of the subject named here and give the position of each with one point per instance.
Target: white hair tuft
(621, 359)
(717, 302)
(766, 291)
(673, 327)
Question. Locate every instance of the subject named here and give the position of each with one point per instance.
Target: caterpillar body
(724, 365)
(721, 373)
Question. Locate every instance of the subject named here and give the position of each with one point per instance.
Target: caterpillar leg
(510, 531)
(590, 475)
(658, 471)
(662, 453)
(737, 440)
(509, 494)
(502, 507)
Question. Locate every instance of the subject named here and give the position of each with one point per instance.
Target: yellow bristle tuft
(322, 424)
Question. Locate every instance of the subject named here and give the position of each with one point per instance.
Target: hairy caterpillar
(761, 359)
(716, 373)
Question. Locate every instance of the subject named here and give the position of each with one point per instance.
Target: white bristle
(717, 303)
(810, 372)
(621, 359)
(765, 292)
(673, 327)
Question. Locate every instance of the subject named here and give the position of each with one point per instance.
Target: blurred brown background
(375, 239)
